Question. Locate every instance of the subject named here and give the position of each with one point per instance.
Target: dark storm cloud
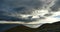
(22, 6)
(8, 7)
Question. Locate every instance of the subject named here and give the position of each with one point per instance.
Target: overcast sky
(13, 9)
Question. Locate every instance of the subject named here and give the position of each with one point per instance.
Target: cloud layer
(28, 10)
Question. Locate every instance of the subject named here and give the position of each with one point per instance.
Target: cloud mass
(29, 11)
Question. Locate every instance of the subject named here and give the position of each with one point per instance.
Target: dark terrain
(55, 27)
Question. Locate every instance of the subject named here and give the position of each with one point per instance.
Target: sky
(29, 11)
